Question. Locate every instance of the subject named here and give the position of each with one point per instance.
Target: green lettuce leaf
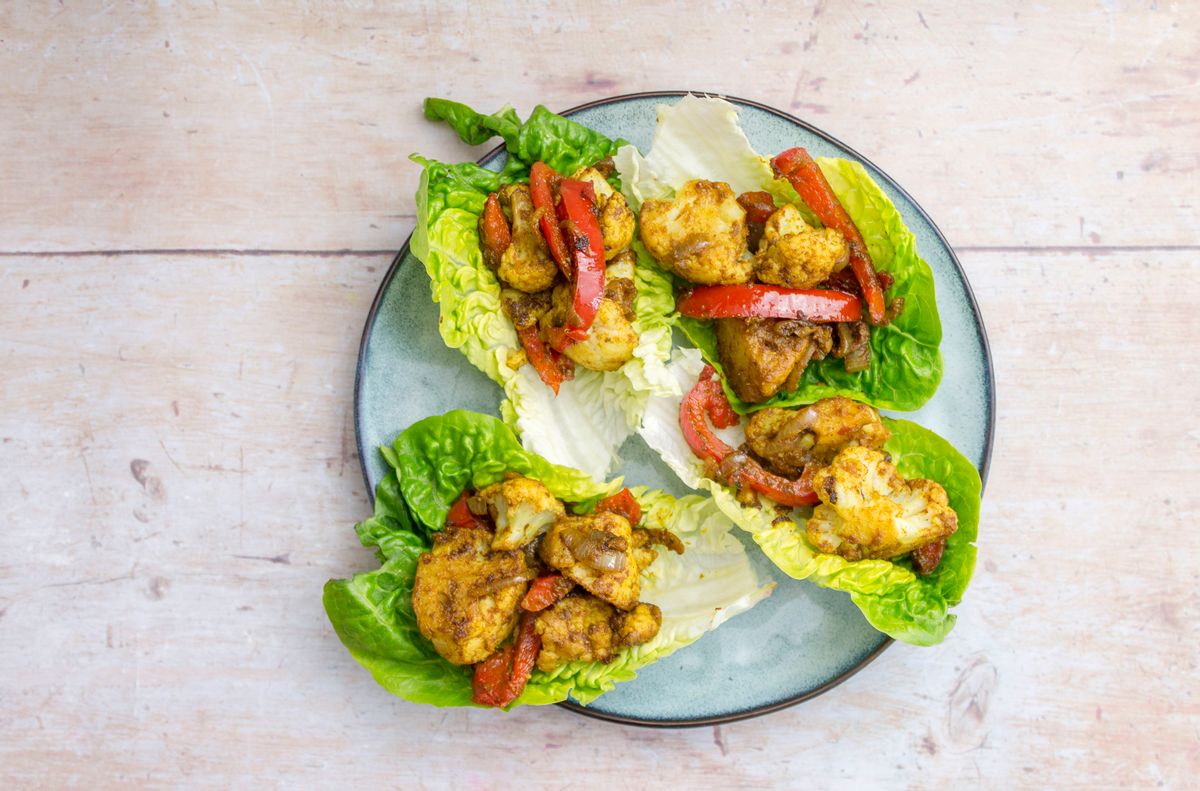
(894, 599)
(700, 138)
(437, 457)
(602, 408)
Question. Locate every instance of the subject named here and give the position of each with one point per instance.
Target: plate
(803, 640)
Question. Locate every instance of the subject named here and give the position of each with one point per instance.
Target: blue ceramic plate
(801, 641)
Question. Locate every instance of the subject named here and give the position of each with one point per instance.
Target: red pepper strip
(801, 170)
(577, 213)
(705, 399)
(623, 503)
(759, 206)
(541, 193)
(461, 516)
(545, 591)
(496, 234)
(500, 679)
(785, 491)
(695, 405)
(552, 367)
(727, 302)
(925, 559)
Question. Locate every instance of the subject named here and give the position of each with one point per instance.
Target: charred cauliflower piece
(620, 284)
(466, 597)
(700, 235)
(868, 510)
(796, 255)
(526, 264)
(576, 628)
(522, 509)
(611, 338)
(616, 220)
(639, 625)
(523, 309)
(597, 553)
(582, 627)
(789, 439)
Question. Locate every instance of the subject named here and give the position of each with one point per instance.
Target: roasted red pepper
(552, 367)
(545, 591)
(500, 679)
(577, 214)
(541, 193)
(494, 231)
(623, 503)
(692, 410)
(461, 516)
(742, 301)
(707, 399)
(806, 177)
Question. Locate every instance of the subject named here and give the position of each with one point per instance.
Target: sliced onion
(596, 548)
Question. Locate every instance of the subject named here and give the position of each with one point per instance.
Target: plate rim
(981, 330)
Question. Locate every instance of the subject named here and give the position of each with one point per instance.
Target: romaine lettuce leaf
(601, 409)
(437, 457)
(894, 599)
(700, 138)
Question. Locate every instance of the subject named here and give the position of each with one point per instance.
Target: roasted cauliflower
(616, 220)
(868, 510)
(796, 255)
(611, 338)
(700, 234)
(586, 629)
(597, 553)
(465, 596)
(522, 509)
(787, 440)
(526, 264)
(523, 309)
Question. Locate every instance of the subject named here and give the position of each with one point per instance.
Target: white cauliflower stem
(868, 510)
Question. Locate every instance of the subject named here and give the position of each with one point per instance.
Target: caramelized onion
(596, 548)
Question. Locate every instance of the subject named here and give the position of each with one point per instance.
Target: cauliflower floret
(788, 440)
(526, 264)
(795, 255)
(700, 235)
(868, 510)
(611, 338)
(616, 220)
(584, 628)
(597, 553)
(522, 509)
(466, 597)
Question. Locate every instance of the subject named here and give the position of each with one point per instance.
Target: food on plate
(507, 580)
(538, 285)
(832, 492)
(795, 277)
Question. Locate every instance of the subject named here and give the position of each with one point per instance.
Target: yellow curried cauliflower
(868, 510)
(597, 552)
(522, 509)
(795, 255)
(611, 339)
(700, 235)
(526, 265)
(616, 220)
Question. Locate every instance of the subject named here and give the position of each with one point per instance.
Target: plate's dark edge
(983, 338)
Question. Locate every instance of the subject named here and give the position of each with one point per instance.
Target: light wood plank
(286, 126)
(165, 628)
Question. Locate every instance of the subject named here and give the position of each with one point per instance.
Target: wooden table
(197, 202)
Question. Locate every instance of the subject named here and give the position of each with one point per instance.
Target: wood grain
(182, 479)
(180, 473)
(286, 126)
